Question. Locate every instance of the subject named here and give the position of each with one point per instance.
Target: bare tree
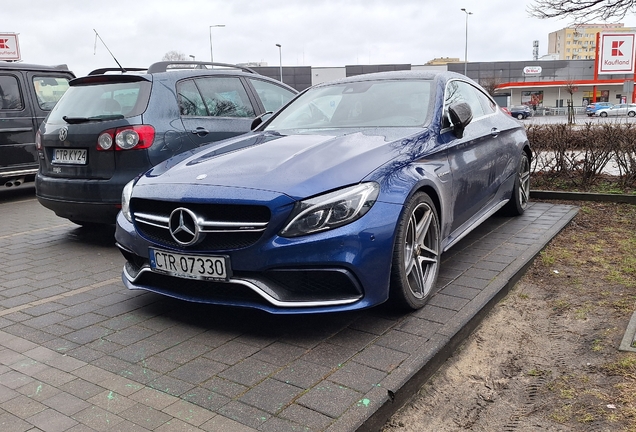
(582, 10)
(571, 88)
(174, 56)
(490, 84)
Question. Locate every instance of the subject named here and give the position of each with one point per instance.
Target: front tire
(520, 116)
(603, 114)
(521, 192)
(416, 254)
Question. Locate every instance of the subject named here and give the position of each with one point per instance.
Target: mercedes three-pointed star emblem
(184, 227)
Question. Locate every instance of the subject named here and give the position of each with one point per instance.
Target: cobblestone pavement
(79, 352)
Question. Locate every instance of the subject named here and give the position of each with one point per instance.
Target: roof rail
(104, 70)
(164, 66)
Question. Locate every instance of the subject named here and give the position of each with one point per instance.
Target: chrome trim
(18, 172)
(205, 226)
(260, 292)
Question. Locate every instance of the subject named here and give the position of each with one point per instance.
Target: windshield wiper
(77, 120)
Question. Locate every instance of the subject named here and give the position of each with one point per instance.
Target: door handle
(200, 131)
(494, 132)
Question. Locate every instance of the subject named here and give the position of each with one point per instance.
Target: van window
(10, 97)
(49, 90)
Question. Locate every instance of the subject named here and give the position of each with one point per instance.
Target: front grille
(223, 226)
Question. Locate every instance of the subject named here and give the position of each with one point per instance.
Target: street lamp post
(211, 54)
(280, 60)
(466, 44)
(192, 57)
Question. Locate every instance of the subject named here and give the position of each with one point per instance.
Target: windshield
(387, 103)
(101, 101)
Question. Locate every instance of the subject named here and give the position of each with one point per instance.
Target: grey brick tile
(401, 341)
(38, 391)
(145, 416)
(207, 399)
(184, 352)
(352, 339)
(52, 421)
(129, 335)
(112, 401)
(329, 399)
(448, 302)
(176, 425)
(358, 376)
(420, 327)
(170, 385)
(456, 290)
(381, 358)
(14, 379)
(276, 424)
(372, 324)
(222, 423)
(248, 372)
(305, 416)
(198, 370)
(279, 353)
(303, 374)
(23, 406)
(7, 393)
(329, 355)
(225, 387)
(11, 423)
(83, 321)
(231, 352)
(81, 388)
(245, 414)
(66, 403)
(98, 419)
(189, 413)
(160, 364)
(153, 398)
(271, 395)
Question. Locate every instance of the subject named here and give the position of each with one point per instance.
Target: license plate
(189, 266)
(69, 156)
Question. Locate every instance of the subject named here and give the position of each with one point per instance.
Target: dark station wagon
(112, 125)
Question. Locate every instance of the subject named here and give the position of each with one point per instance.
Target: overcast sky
(321, 33)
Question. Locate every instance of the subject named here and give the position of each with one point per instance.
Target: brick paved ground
(79, 352)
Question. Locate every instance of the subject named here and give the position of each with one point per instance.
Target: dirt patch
(546, 357)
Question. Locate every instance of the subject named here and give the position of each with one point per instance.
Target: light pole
(192, 57)
(212, 55)
(466, 45)
(280, 60)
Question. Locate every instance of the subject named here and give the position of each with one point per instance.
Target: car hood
(297, 165)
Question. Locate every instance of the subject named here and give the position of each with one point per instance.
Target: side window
(273, 96)
(49, 90)
(471, 96)
(460, 91)
(10, 97)
(190, 100)
(225, 97)
(487, 104)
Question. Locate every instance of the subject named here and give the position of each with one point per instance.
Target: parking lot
(78, 349)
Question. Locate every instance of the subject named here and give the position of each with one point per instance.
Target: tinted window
(102, 101)
(358, 104)
(460, 91)
(272, 96)
(49, 90)
(10, 98)
(221, 97)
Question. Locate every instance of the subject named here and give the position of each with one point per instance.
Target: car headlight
(331, 210)
(126, 194)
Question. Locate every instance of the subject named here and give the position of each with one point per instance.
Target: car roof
(33, 67)
(403, 74)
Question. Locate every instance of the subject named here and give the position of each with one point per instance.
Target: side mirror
(260, 119)
(460, 115)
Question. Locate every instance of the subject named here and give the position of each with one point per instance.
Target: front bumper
(347, 268)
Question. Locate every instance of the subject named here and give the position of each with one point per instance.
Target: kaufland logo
(617, 53)
(9, 47)
(4, 44)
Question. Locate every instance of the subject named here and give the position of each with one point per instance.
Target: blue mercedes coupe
(343, 199)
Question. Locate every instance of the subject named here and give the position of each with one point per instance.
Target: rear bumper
(82, 200)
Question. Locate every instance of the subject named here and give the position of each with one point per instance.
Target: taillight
(38, 141)
(126, 138)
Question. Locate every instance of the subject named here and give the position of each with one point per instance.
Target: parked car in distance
(28, 92)
(595, 106)
(521, 111)
(617, 110)
(109, 128)
(345, 198)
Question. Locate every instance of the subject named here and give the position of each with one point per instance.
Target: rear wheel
(631, 113)
(416, 255)
(520, 116)
(521, 191)
(603, 114)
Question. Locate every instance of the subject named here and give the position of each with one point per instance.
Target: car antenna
(100, 38)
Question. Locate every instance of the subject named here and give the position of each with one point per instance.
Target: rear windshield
(99, 101)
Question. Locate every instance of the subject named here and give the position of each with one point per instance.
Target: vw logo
(183, 226)
(63, 134)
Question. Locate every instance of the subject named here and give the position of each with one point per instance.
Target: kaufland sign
(617, 53)
(9, 47)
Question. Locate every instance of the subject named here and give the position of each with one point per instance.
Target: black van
(27, 93)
